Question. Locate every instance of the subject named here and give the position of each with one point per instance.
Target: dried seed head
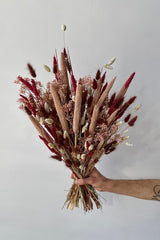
(47, 68)
(125, 131)
(49, 120)
(108, 66)
(63, 27)
(129, 144)
(137, 108)
(46, 107)
(119, 123)
(83, 156)
(90, 148)
(112, 61)
(65, 134)
(41, 120)
(50, 145)
(73, 98)
(125, 138)
(84, 127)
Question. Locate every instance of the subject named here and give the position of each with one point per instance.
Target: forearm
(145, 189)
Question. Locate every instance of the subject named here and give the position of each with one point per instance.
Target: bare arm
(148, 189)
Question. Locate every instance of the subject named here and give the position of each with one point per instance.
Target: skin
(148, 189)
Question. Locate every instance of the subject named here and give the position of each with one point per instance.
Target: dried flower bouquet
(77, 120)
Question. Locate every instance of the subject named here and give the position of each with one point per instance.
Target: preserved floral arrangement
(77, 119)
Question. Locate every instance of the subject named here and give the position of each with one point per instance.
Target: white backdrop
(32, 186)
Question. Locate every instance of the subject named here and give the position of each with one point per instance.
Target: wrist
(108, 185)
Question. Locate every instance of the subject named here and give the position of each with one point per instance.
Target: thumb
(84, 181)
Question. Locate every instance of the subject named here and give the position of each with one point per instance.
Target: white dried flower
(73, 98)
(129, 144)
(78, 156)
(46, 107)
(137, 108)
(49, 120)
(63, 27)
(84, 128)
(41, 120)
(112, 61)
(50, 145)
(47, 68)
(119, 123)
(83, 156)
(108, 66)
(125, 138)
(90, 148)
(65, 134)
(125, 131)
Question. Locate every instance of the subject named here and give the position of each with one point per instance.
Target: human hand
(96, 179)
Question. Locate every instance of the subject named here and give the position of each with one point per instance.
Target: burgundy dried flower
(74, 83)
(68, 162)
(55, 65)
(132, 121)
(25, 82)
(89, 101)
(111, 100)
(94, 84)
(34, 88)
(103, 77)
(104, 87)
(59, 158)
(98, 74)
(129, 80)
(31, 70)
(127, 118)
(84, 96)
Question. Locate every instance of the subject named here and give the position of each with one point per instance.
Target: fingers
(84, 181)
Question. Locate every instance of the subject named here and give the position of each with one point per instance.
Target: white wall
(32, 186)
